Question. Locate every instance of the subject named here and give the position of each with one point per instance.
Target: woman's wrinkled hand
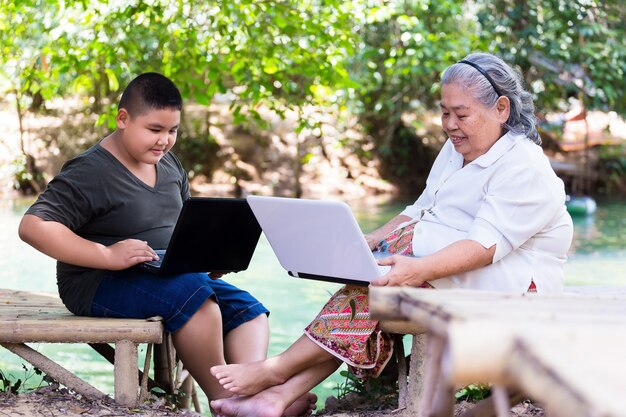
(127, 253)
(372, 241)
(405, 271)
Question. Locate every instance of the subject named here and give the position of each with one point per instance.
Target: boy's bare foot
(303, 406)
(249, 378)
(260, 405)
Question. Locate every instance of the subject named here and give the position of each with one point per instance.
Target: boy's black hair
(150, 91)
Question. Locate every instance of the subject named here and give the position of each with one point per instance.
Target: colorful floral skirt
(343, 327)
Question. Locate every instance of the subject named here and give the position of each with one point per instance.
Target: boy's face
(148, 136)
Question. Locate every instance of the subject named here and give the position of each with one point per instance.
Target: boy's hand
(216, 275)
(127, 253)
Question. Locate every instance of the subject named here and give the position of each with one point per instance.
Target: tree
(564, 48)
(404, 47)
(276, 54)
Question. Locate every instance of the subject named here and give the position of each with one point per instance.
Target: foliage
(366, 391)
(612, 168)
(9, 384)
(404, 47)
(473, 392)
(564, 48)
(280, 50)
(381, 60)
(278, 54)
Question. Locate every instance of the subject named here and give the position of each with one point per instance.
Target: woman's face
(472, 127)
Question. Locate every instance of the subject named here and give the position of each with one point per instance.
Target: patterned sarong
(343, 327)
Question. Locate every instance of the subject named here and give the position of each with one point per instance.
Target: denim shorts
(133, 293)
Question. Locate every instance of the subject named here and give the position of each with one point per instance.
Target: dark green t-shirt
(97, 198)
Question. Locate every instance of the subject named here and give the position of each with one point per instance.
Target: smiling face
(148, 136)
(472, 127)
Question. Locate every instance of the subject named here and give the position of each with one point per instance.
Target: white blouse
(510, 197)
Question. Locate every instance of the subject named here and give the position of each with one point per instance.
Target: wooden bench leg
(402, 372)
(164, 365)
(434, 383)
(143, 386)
(416, 375)
(125, 373)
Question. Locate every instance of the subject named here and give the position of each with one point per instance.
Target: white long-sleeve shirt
(509, 197)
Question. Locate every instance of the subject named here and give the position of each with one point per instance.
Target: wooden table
(566, 351)
(42, 318)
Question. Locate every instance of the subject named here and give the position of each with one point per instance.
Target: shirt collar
(498, 149)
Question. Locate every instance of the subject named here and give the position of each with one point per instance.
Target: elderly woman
(492, 216)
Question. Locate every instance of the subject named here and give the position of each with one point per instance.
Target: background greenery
(376, 61)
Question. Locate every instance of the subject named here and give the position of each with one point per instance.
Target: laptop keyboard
(157, 263)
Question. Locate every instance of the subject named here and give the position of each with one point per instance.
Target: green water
(597, 257)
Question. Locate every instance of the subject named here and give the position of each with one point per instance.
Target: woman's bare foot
(303, 406)
(249, 378)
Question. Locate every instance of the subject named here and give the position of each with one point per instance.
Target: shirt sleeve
(519, 202)
(65, 200)
(184, 187)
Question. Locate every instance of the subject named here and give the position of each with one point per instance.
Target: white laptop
(316, 239)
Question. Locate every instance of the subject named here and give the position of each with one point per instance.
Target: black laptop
(211, 235)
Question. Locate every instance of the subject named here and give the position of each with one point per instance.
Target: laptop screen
(315, 237)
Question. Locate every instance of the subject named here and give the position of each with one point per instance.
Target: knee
(260, 320)
(209, 310)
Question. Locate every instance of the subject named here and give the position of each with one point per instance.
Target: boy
(106, 210)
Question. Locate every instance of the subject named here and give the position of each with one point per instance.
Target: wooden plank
(577, 371)
(576, 364)
(15, 312)
(42, 317)
(426, 307)
(28, 297)
(54, 370)
(401, 327)
(81, 330)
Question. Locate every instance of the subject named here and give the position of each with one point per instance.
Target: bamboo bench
(29, 317)
(524, 344)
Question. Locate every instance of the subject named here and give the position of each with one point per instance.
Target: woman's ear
(503, 108)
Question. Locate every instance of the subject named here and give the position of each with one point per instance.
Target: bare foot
(260, 405)
(303, 406)
(248, 378)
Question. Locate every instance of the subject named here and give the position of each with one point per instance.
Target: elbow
(26, 228)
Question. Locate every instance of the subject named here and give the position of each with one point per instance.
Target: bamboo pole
(54, 370)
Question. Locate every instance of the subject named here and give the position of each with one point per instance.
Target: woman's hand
(127, 253)
(456, 258)
(405, 271)
(372, 240)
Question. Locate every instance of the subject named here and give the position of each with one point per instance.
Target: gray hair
(506, 80)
